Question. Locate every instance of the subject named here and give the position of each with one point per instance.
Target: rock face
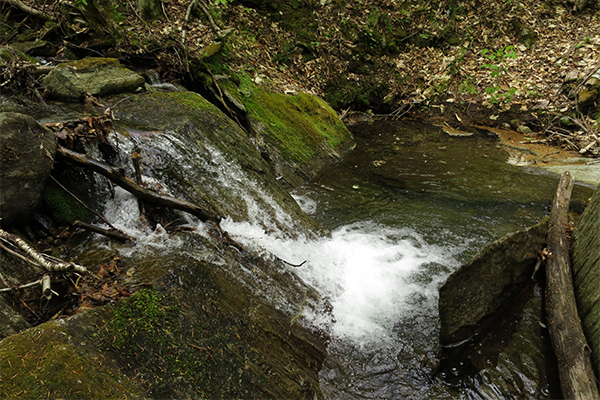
(478, 289)
(26, 157)
(206, 158)
(96, 76)
(218, 321)
(586, 274)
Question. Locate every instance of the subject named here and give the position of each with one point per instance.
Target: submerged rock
(474, 292)
(96, 76)
(26, 157)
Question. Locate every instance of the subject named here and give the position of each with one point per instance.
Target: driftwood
(570, 346)
(42, 260)
(117, 176)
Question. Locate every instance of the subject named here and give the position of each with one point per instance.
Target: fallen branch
(26, 9)
(40, 259)
(570, 346)
(113, 234)
(117, 176)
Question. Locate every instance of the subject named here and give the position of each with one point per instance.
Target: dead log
(117, 176)
(572, 351)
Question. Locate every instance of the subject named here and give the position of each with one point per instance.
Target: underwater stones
(474, 292)
(96, 76)
(26, 158)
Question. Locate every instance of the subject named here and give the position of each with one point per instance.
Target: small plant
(496, 66)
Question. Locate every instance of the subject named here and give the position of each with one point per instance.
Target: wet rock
(26, 158)
(209, 147)
(586, 274)
(96, 76)
(474, 292)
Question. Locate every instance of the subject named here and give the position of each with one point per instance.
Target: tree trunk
(571, 349)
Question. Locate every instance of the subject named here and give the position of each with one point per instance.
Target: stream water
(405, 208)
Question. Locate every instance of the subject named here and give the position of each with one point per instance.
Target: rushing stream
(405, 208)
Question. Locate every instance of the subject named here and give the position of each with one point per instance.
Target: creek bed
(405, 209)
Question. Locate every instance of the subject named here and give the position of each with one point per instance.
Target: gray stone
(26, 158)
(96, 76)
(474, 292)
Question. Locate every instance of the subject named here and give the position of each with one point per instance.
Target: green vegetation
(43, 362)
(297, 125)
(497, 69)
(63, 208)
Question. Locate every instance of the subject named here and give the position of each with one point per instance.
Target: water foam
(365, 269)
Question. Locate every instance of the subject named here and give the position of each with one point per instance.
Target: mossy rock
(63, 208)
(96, 76)
(206, 330)
(298, 134)
(48, 362)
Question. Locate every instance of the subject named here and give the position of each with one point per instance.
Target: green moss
(63, 208)
(299, 126)
(162, 341)
(43, 362)
(189, 99)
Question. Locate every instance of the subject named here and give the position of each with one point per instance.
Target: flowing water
(404, 209)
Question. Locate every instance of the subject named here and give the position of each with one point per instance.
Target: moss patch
(61, 206)
(44, 362)
(300, 130)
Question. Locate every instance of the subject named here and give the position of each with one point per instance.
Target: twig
(114, 234)
(211, 21)
(25, 286)
(39, 258)
(26, 9)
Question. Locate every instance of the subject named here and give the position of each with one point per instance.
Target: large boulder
(220, 321)
(297, 134)
(477, 290)
(96, 76)
(586, 274)
(26, 158)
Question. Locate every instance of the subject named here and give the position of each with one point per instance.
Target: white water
(366, 270)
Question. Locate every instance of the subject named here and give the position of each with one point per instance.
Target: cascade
(387, 251)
